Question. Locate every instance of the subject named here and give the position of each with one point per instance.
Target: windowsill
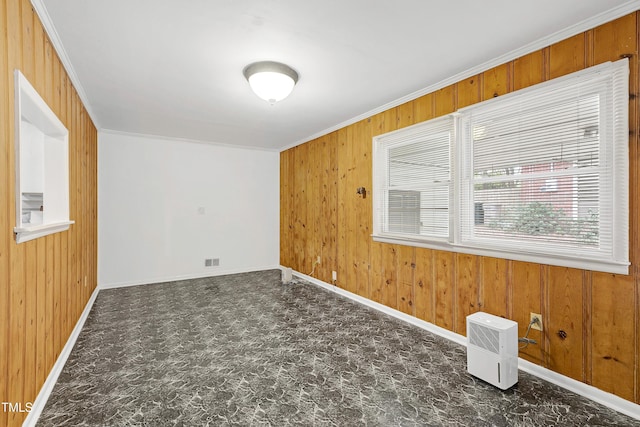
(580, 263)
(26, 233)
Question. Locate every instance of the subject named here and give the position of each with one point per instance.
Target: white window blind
(413, 195)
(543, 171)
(539, 175)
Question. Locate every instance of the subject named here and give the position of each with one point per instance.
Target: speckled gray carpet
(248, 350)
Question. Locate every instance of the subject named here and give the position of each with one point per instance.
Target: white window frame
(615, 140)
(41, 166)
(405, 136)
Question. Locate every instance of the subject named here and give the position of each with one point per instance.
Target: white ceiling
(174, 68)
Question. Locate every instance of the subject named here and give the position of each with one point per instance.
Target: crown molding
(50, 29)
(187, 140)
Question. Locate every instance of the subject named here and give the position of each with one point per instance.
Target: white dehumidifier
(492, 349)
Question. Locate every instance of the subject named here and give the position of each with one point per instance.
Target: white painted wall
(151, 191)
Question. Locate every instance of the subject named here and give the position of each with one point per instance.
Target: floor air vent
(492, 349)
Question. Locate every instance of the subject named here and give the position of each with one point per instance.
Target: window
(42, 166)
(539, 175)
(414, 195)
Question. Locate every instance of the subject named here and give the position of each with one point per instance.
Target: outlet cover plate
(536, 326)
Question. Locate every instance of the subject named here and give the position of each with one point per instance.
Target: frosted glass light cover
(271, 86)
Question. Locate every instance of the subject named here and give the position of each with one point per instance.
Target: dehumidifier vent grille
(484, 337)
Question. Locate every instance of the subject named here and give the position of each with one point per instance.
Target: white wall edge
(179, 139)
(50, 29)
(50, 382)
(590, 392)
(541, 43)
(155, 280)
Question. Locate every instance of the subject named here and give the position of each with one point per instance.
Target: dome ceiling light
(271, 81)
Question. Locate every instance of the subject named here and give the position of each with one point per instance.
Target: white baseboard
(184, 277)
(590, 392)
(50, 382)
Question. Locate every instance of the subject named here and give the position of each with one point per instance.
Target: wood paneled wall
(321, 215)
(44, 283)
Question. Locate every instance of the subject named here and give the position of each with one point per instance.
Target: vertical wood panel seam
(510, 71)
(546, 70)
(413, 282)
(481, 284)
(453, 271)
(433, 286)
(588, 47)
(544, 305)
(509, 286)
(586, 325)
(478, 269)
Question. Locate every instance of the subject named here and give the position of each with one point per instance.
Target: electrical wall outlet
(334, 275)
(537, 325)
(318, 260)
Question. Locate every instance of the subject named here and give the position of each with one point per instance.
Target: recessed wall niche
(42, 166)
